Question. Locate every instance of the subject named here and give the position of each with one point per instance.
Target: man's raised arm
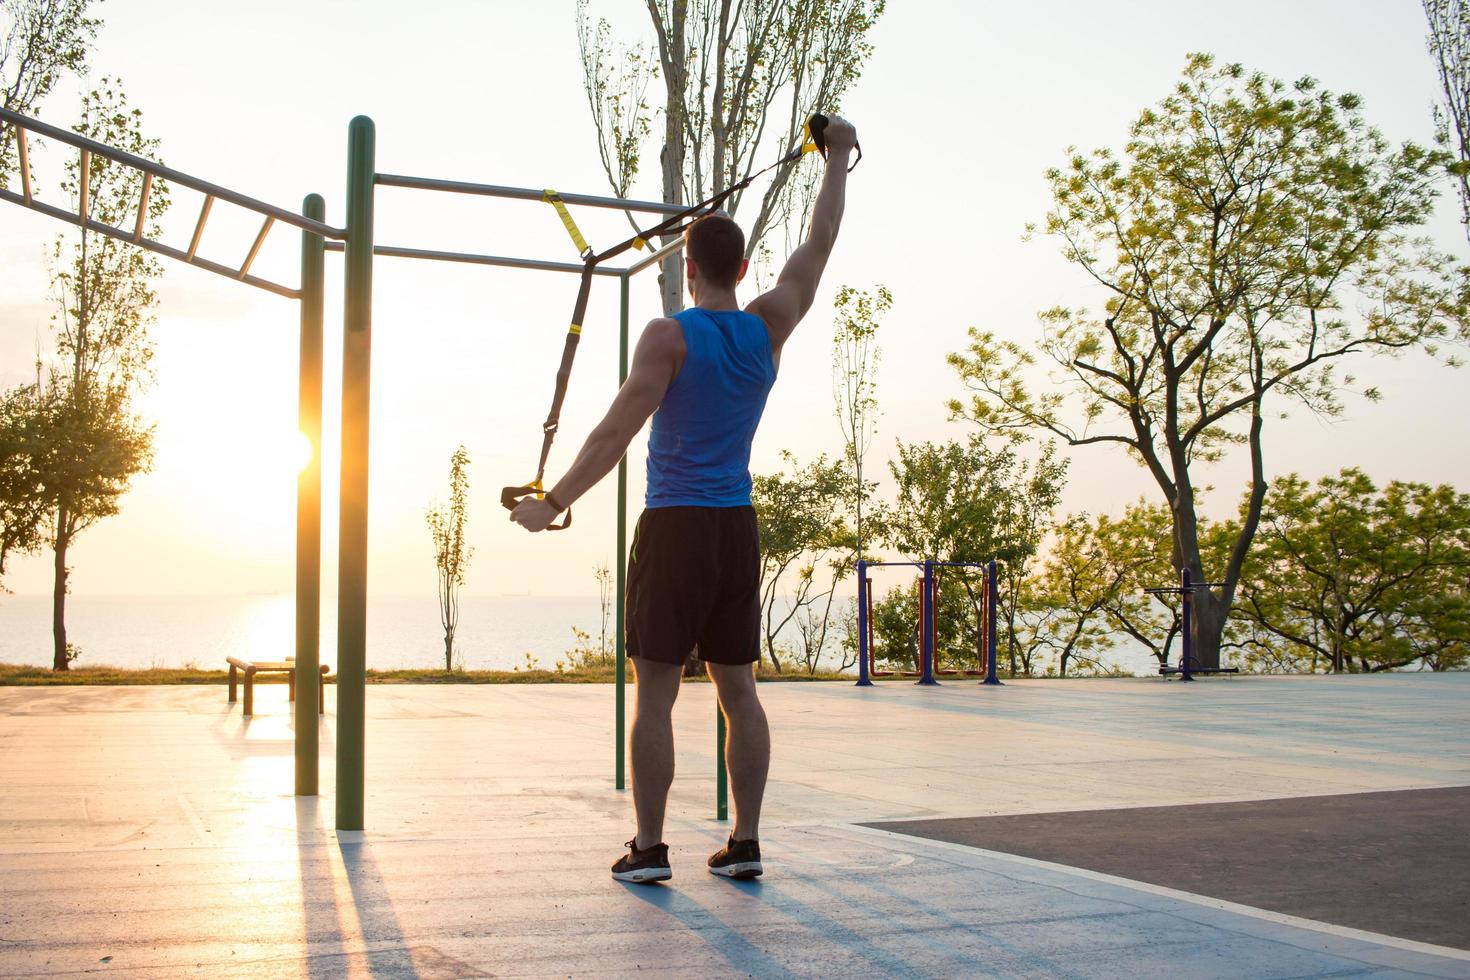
(796, 287)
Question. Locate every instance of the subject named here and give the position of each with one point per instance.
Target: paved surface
(150, 831)
(1389, 862)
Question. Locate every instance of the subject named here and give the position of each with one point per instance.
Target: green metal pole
(621, 709)
(357, 334)
(722, 779)
(309, 506)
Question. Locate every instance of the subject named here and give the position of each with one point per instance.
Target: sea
(494, 633)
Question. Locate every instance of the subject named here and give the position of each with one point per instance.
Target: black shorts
(694, 583)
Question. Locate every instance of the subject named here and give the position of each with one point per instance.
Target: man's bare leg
(748, 747)
(653, 746)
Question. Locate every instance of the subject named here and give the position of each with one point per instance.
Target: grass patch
(26, 675)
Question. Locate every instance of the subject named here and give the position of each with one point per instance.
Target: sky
(961, 109)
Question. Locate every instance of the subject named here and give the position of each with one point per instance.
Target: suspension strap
(813, 141)
(551, 197)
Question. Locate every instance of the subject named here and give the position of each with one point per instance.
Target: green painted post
(309, 506)
(722, 778)
(621, 709)
(357, 320)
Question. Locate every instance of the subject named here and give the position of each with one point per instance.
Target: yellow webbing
(808, 145)
(550, 197)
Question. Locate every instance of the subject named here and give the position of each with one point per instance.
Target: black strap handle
(510, 497)
(817, 126)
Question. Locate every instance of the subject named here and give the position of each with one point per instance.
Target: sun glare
(301, 451)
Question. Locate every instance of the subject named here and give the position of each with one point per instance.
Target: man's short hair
(717, 246)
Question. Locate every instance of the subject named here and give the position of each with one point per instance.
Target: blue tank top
(699, 445)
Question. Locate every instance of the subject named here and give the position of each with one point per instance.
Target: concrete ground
(151, 831)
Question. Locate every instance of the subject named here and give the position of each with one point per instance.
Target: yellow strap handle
(550, 197)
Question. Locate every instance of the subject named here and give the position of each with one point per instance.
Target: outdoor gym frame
(357, 244)
(928, 617)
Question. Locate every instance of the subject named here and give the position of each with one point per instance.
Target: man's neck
(712, 298)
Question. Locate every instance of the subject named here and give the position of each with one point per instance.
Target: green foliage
(1252, 234)
(451, 552)
(896, 626)
(737, 83)
(94, 447)
(1088, 598)
(40, 42)
(1064, 612)
(24, 503)
(804, 536)
(1449, 45)
(1345, 577)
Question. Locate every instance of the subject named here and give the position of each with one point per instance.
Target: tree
(1345, 577)
(969, 502)
(605, 603)
(40, 41)
(1068, 594)
(1030, 494)
(855, 355)
(739, 79)
(451, 553)
(801, 529)
(945, 508)
(1140, 544)
(96, 444)
(1449, 44)
(1253, 236)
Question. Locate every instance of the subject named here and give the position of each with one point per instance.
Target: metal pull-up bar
(525, 194)
(510, 262)
(521, 194)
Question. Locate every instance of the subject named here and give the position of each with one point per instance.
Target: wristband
(554, 502)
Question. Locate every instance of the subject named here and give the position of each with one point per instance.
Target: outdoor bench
(286, 667)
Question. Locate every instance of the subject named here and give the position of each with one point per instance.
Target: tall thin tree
(451, 552)
(105, 303)
(1449, 44)
(855, 356)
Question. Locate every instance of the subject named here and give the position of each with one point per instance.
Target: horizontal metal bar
(177, 177)
(657, 256)
(526, 194)
(894, 564)
(149, 244)
(470, 258)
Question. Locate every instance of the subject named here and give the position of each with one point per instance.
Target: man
(694, 567)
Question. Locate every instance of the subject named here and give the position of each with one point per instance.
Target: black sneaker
(643, 866)
(737, 859)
